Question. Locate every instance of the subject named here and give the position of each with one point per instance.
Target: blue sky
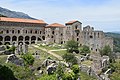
(101, 14)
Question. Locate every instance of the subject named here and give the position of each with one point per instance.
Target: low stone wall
(89, 71)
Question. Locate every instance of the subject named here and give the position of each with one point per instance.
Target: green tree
(106, 51)
(21, 72)
(70, 58)
(28, 59)
(48, 77)
(69, 76)
(6, 73)
(116, 68)
(72, 46)
(85, 49)
(60, 71)
(76, 69)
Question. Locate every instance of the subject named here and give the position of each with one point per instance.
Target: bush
(28, 59)
(85, 49)
(72, 46)
(75, 69)
(6, 73)
(20, 72)
(70, 58)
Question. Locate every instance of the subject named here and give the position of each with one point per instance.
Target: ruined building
(36, 31)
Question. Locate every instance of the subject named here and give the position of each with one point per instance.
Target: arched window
(76, 27)
(7, 31)
(40, 32)
(35, 31)
(43, 37)
(31, 31)
(14, 38)
(33, 38)
(1, 38)
(91, 36)
(27, 38)
(7, 38)
(53, 32)
(20, 38)
(18, 31)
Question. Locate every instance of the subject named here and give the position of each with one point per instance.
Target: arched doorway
(1, 38)
(7, 43)
(33, 38)
(20, 43)
(14, 38)
(27, 38)
(27, 43)
(7, 38)
(20, 38)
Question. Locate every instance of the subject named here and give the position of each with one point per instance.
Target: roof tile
(21, 20)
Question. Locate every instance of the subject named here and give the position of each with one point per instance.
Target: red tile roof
(71, 22)
(22, 20)
(55, 25)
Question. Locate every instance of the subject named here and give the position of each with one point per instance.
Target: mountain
(116, 38)
(2, 15)
(14, 14)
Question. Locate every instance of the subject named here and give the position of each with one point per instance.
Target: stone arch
(1, 38)
(20, 43)
(39, 39)
(27, 43)
(27, 38)
(43, 37)
(7, 43)
(20, 38)
(14, 38)
(33, 38)
(18, 31)
(91, 36)
(7, 38)
(53, 32)
(13, 31)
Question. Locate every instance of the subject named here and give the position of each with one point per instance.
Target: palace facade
(36, 31)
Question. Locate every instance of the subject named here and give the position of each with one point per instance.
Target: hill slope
(14, 14)
(116, 37)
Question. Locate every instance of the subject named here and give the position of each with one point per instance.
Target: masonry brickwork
(37, 31)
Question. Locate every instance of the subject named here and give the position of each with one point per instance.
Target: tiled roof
(55, 25)
(71, 22)
(22, 20)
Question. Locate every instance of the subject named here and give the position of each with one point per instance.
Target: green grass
(84, 76)
(61, 53)
(43, 55)
(87, 62)
(50, 47)
(3, 59)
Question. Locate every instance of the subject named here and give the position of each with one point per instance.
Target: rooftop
(71, 22)
(21, 20)
(55, 25)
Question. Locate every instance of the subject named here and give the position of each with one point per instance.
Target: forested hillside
(116, 37)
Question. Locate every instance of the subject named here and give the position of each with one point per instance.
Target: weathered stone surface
(14, 59)
(51, 68)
